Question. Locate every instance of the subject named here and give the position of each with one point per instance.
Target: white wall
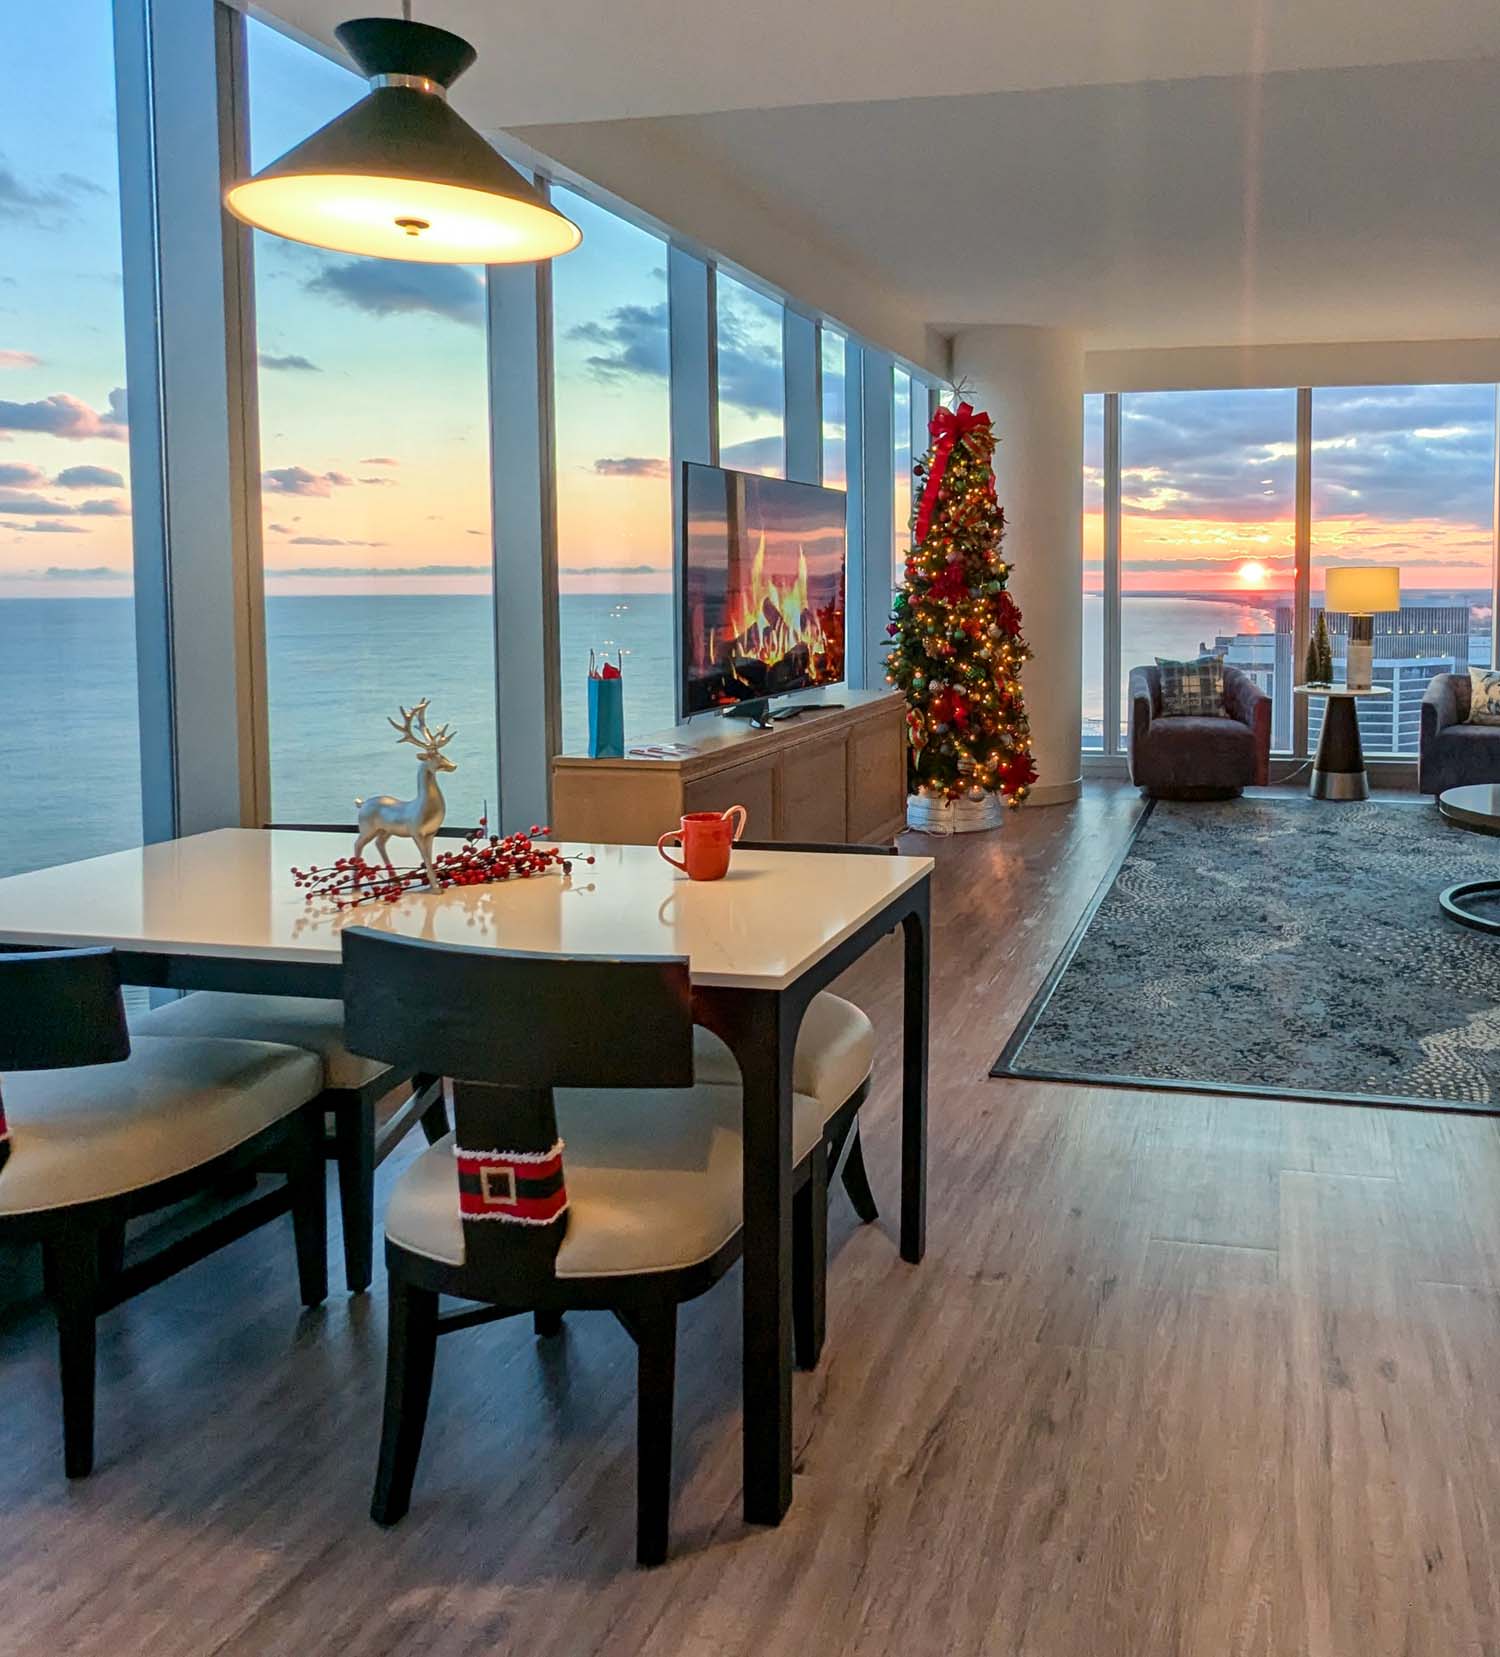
(1031, 382)
(1227, 367)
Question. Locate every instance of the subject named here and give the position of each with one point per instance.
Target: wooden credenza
(835, 775)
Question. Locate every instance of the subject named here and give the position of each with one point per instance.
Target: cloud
(752, 377)
(17, 197)
(28, 505)
(380, 460)
(631, 466)
(94, 572)
(19, 359)
(614, 569)
(298, 480)
(280, 529)
(385, 287)
(632, 340)
(51, 529)
(88, 477)
(17, 474)
(66, 417)
(1379, 452)
(330, 541)
(104, 509)
(362, 571)
(291, 364)
(380, 483)
(755, 454)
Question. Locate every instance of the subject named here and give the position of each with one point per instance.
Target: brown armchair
(1185, 758)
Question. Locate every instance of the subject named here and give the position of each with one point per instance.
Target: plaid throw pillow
(1192, 689)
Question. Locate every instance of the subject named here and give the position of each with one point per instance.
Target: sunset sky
(1401, 475)
(373, 397)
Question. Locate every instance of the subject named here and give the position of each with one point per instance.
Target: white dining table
(221, 911)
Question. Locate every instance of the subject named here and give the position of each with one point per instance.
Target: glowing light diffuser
(400, 175)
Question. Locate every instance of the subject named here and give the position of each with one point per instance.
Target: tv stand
(839, 778)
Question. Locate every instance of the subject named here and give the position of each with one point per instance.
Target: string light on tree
(956, 645)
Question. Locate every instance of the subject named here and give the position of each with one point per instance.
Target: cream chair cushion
(653, 1175)
(293, 1021)
(105, 1129)
(835, 1053)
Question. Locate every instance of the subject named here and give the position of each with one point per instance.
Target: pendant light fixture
(400, 175)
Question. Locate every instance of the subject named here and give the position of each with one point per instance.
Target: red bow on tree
(948, 426)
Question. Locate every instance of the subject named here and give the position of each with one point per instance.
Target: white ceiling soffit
(549, 61)
(1325, 205)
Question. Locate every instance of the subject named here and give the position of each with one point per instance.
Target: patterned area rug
(1284, 948)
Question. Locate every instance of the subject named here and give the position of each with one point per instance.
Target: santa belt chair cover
(352, 1087)
(97, 1128)
(587, 1171)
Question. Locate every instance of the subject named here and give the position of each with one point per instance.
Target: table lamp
(1361, 591)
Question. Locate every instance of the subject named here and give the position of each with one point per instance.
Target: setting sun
(1253, 574)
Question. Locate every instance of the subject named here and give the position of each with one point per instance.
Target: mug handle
(661, 846)
(739, 827)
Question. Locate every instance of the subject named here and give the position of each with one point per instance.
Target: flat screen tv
(762, 590)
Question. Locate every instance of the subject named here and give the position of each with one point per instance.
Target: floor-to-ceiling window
(611, 350)
(1206, 535)
(900, 473)
(69, 744)
(833, 349)
(1399, 476)
(374, 488)
(1093, 572)
(752, 379)
(1404, 477)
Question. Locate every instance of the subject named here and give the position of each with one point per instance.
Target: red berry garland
(481, 860)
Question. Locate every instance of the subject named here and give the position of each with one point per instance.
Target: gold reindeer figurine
(383, 817)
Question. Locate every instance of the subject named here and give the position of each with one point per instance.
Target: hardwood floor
(1180, 1375)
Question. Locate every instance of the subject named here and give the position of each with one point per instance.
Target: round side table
(1475, 806)
(1339, 766)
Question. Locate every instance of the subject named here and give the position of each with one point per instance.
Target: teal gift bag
(606, 714)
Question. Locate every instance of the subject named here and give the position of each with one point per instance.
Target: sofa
(1178, 758)
(1450, 751)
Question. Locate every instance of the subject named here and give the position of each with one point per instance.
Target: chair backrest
(59, 1008)
(1151, 673)
(1463, 693)
(507, 1027)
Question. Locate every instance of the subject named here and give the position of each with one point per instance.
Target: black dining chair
(588, 1170)
(97, 1129)
(352, 1088)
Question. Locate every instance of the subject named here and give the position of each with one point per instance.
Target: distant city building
(1411, 645)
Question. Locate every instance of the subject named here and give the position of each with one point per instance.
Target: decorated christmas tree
(956, 645)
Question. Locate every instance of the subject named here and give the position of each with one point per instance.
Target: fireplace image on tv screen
(763, 587)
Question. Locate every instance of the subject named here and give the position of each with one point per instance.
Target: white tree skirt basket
(932, 814)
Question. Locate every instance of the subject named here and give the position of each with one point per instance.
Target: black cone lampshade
(400, 175)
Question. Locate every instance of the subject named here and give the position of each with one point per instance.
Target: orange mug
(705, 838)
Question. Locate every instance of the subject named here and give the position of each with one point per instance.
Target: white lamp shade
(1362, 589)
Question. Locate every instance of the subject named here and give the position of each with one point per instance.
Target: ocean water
(1152, 627)
(337, 667)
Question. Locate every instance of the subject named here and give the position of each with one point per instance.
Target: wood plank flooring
(1180, 1375)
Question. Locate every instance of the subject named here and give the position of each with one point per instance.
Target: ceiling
(1152, 172)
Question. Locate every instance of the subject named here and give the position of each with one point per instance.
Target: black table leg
(760, 1029)
(1339, 766)
(915, 928)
